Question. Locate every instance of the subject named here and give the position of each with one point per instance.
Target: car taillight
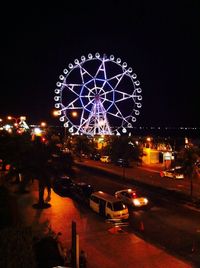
(134, 195)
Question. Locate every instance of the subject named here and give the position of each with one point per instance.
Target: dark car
(122, 162)
(63, 185)
(96, 156)
(82, 191)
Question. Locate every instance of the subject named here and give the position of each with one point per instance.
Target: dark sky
(159, 40)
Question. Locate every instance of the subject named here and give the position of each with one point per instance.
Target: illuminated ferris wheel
(98, 95)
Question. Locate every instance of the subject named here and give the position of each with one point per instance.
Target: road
(146, 174)
(172, 226)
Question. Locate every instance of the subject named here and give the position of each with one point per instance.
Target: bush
(16, 247)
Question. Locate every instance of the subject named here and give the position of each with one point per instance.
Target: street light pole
(123, 171)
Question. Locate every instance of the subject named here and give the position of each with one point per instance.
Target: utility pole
(74, 251)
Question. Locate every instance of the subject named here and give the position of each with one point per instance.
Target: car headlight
(136, 202)
(146, 200)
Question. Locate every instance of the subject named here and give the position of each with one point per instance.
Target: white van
(108, 206)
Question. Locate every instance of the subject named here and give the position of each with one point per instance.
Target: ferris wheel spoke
(84, 73)
(107, 92)
(116, 79)
(116, 112)
(124, 97)
(101, 70)
(82, 121)
(89, 89)
(107, 101)
(72, 105)
(91, 101)
(71, 87)
(95, 86)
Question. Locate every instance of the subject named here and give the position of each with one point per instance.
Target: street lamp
(55, 113)
(43, 124)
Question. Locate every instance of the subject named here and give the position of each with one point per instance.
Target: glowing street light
(74, 114)
(56, 113)
(43, 124)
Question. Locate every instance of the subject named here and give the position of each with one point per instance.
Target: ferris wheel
(98, 95)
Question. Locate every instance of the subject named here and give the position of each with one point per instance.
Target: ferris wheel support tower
(97, 122)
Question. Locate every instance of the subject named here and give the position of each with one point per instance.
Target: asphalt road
(171, 225)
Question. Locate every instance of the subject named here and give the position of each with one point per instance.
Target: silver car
(175, 173)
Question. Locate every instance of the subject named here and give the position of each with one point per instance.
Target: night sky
(159, 40)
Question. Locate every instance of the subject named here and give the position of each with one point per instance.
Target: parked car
(132, 198)
(122, 162)
(96, 156)
(63, 185)
(82, 191)
(105, 159)
(175, 173)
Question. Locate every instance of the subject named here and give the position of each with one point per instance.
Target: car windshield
(177, 170)
(118, 206)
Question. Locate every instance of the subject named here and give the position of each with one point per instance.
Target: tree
(124, 147)
(188, 157)
(16, 247)
(82, 145)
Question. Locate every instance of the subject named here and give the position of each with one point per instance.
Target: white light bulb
(57, 105)
(124, 64)
(133, 119)
(71, 129)
(56, 98)
(137, 83)
(130, 70)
